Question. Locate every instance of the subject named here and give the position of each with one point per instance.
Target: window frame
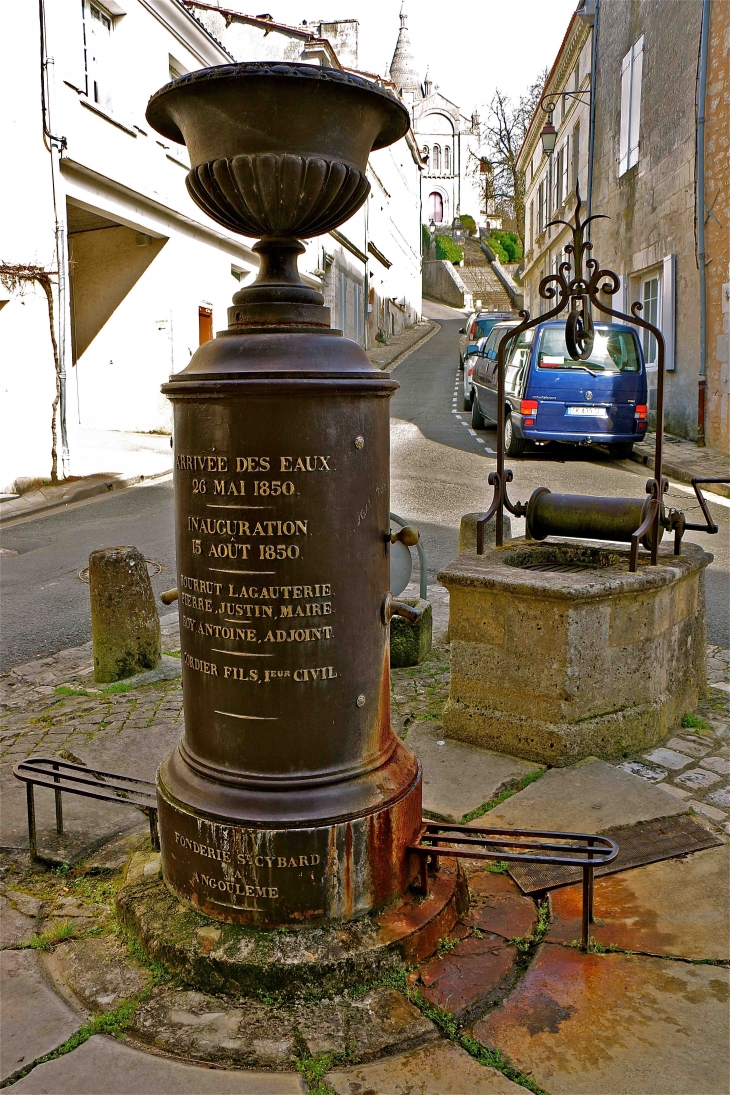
(648, 340)
(93, 66)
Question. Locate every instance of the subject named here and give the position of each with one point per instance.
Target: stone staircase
(480, 279)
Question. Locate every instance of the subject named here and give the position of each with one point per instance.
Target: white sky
(470, 46)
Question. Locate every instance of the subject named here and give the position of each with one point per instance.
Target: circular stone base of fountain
(217, 957)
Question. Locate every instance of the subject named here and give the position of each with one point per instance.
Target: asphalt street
(439, 471)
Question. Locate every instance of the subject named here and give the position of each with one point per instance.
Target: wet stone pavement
(506, 1003)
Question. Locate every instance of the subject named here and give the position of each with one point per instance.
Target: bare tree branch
(505, 130)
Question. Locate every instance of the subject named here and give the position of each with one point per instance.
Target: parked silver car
(478, 326)
(468, 371)
(485, 356)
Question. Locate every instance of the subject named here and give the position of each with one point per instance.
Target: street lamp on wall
(548, 136)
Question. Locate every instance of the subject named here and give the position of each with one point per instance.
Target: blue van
(550, 397)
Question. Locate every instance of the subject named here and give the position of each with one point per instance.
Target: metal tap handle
(408, 535)
(169, 596)
(391, 607)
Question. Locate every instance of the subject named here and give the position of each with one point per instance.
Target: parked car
(478, 326)
(488, 346)
(468, 372)
(550, 397)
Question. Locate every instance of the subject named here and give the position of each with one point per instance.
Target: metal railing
(584, 850)
(78, 779)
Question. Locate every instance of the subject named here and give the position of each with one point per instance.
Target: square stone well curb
(555, 666)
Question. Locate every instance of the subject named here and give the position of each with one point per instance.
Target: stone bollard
(125, 625)
(410, 643)
(468, 532)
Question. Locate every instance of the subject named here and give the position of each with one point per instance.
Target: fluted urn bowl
(278, 150)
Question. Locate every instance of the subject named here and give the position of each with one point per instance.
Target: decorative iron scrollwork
(581, 282)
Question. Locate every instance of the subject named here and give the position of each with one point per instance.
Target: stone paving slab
(639, 910)
(459, 778)
(615, 1024)
(103, 1066)
(34, 1019)
(15, 926)
(587, 797)
(250, 1033)
(478, 964)
(438, 1069)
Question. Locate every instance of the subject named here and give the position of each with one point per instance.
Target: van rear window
(614, 351)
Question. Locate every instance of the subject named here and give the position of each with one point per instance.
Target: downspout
(592, 115)
(700, 218)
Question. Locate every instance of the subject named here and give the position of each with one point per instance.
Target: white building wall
(115, 167)
(27, 380)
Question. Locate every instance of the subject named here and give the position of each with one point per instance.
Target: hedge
(447, 249)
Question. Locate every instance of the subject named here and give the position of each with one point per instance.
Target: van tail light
(528, 406)
(640, 411)
(470, 371)
(473, 329)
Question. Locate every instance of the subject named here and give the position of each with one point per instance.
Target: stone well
(558, 652)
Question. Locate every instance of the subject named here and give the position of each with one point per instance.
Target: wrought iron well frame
(581, 291)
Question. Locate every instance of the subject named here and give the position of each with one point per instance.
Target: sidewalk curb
(677, 471)
(435, 326)
(80, 495)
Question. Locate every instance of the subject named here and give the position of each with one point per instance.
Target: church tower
(448, 141)
(403, 70)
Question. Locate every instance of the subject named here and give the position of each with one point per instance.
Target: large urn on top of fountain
(289, 800)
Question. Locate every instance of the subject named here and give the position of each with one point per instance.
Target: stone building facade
(645, 178)
(449, 142)
(550, 182)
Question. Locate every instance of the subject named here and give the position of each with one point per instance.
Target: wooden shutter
(637, 70)
(576, 156)
(668, 309)
(623, 141)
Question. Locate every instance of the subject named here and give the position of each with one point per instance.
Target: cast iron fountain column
(289, 799)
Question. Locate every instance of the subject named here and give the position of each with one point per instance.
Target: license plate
(592, 412)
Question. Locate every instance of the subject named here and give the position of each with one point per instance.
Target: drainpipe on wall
(700, 217)
(592, 115)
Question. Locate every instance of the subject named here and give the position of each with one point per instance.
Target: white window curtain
(632, 68)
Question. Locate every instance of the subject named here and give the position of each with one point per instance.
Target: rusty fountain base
(292, 962)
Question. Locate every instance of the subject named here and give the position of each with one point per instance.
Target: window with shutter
(565, 186)
(637, 70)
(558, 185)
(98, 28)
(632, 68)
(576, 156)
